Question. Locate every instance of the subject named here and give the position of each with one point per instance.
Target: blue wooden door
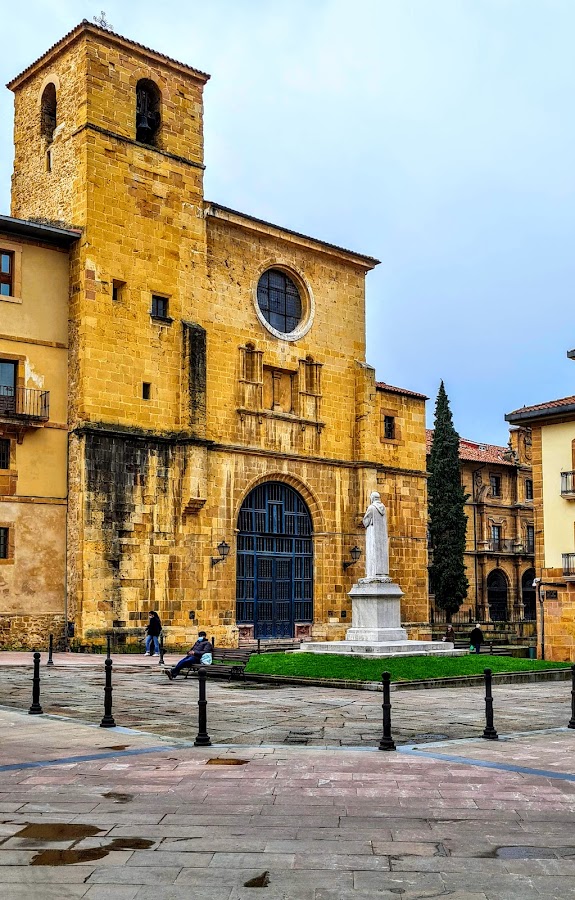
(274, 586)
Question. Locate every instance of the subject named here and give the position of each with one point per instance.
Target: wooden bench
(224, 659)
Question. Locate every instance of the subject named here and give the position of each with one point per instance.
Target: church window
(389, 428)
(279, 301)
(528, 489)
(48, 108)
(6, 273)
(159, 307)
(147, 112)
(146, 390)
(495, 484)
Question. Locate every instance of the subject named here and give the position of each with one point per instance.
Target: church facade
(225, 429)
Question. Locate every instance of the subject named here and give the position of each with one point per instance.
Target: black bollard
(572, 719)
(161, 659)
(489, 732)
(386, 742)
(203, 738)
(108, 719)
(50, 651)
(36, 709)
(108, 645)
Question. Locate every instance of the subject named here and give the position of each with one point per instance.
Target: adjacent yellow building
(225, 430)
(500, 541)
(553, 429)
(34, 264)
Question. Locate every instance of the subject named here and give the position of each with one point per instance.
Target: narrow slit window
(389, 428)
(49, 112)
(4, 453)
(4, 542)
(146, 390)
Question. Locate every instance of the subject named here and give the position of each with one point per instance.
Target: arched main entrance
(497, 595)
(528, 595)
(274, 583)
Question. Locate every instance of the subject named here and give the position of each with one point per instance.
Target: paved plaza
(138, 812)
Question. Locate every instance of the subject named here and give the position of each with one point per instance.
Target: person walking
(476, 639)
(194, 656)
(153, 633)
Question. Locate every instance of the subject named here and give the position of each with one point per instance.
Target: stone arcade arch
(497, 593)
(274, 580)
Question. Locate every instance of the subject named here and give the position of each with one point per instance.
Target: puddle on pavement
(88, 854)
(68, 857)
(118, 798)
(259, 881)
(218, 761)
(116, 747)
(129, 843)
(429, 736)
(525, 853)
(249, 686)
(57, 831)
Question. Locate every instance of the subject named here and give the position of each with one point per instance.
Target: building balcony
(501, 546)
(568, 485)
(568, 565)
(24, 406)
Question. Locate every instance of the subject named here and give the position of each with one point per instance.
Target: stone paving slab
(463, 818)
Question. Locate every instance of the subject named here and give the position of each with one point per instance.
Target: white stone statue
(376, 539)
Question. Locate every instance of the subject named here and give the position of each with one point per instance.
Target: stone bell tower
(109, 138)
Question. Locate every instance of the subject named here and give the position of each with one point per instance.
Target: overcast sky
(436, 135)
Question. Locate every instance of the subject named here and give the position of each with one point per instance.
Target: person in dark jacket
(476, 638)
(193, 656)
(153, 633)
(449, 634)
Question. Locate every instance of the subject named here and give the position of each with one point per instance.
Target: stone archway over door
(497, 590)
(274, 584)
(528, 595)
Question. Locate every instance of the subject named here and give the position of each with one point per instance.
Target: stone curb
(427, 684)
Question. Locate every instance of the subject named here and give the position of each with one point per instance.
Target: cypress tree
(447, 519)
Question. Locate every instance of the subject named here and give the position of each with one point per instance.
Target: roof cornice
(86, 27)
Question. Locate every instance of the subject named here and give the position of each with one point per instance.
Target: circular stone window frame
(306, 297)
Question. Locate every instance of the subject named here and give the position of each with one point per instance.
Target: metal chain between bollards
(36, 709)
(572, 719)
(489, 732)
(386, 742)
(108, 719)
(203, 738)
(50, 651)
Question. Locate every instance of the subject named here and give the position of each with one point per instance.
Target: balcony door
(8, 370)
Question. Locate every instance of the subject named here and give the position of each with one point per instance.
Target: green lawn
(353, 668)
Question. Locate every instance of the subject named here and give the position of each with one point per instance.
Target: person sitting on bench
(193, 656)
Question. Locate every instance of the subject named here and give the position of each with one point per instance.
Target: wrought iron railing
(498, 545)
(470, 617)
(568, 564)
(24, 403)
(568, 484)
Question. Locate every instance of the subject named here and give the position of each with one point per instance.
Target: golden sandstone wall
(156, 484)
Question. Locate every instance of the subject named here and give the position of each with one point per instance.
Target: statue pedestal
(376, 613)
(376, 626)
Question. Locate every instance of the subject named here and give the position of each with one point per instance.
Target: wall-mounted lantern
(355, 553)
(223, 550)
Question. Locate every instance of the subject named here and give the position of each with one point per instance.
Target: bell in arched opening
(147, 112)
(48, 110)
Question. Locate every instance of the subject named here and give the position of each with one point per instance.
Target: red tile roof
(382, 386)
(470, 451)
(543, 407)
(85, 25)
